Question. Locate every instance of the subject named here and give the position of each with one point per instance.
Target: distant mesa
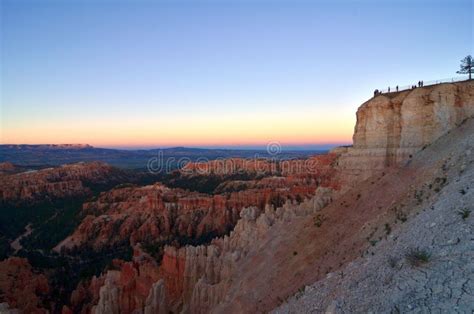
(51, 146)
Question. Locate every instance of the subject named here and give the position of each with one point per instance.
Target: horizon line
(263, 146)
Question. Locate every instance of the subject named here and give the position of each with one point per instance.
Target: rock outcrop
(196, 279)
(21, 288)
(6, 167)
(123, 289)
(157, 213)
(318, 166)
(391, 128)
(56, 183)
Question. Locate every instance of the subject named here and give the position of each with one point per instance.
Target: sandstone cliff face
(156, 213)
(20, 287)
(150, 214)
(391, 128)
(196, 279)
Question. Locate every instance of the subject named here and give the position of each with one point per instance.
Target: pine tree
(466, 66)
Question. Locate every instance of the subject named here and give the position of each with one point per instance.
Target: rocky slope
(391, 278)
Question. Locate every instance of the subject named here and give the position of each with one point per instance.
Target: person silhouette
(396, 88)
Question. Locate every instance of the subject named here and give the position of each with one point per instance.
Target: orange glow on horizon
(288, 129)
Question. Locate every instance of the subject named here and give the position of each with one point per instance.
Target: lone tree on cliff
(467, 64)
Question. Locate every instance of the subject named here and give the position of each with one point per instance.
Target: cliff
(391, 128)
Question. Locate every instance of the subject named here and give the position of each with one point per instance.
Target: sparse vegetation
(419, 196)
(439, 183)
(318, 220)
(300, 292)
(417, 257)
(401, 216)
(464, 213)
(466, 66)
(388, 229)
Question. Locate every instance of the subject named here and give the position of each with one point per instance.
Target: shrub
(402, 216)
(417, 257)
(388, 229)
(464, 213)
(318, 220)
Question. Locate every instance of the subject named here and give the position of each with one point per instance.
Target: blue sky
(133, 70)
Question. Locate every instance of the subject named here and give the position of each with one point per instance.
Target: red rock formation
(155, 213)
(6, 167)
(54, 183)
(230, 166)
(126, 287)
(313, 166)
(20, 287)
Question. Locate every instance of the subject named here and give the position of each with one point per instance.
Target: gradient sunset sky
(214, 73)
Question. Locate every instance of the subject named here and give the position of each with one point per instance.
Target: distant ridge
(59, 154)
(48, 146)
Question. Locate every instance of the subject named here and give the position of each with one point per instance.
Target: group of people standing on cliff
(379, 92)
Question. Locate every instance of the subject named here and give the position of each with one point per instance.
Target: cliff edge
(391, 128)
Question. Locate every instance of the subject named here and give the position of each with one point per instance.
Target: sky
(214, 73)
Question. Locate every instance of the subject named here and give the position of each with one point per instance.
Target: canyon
(55, 183)
(296, 235)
